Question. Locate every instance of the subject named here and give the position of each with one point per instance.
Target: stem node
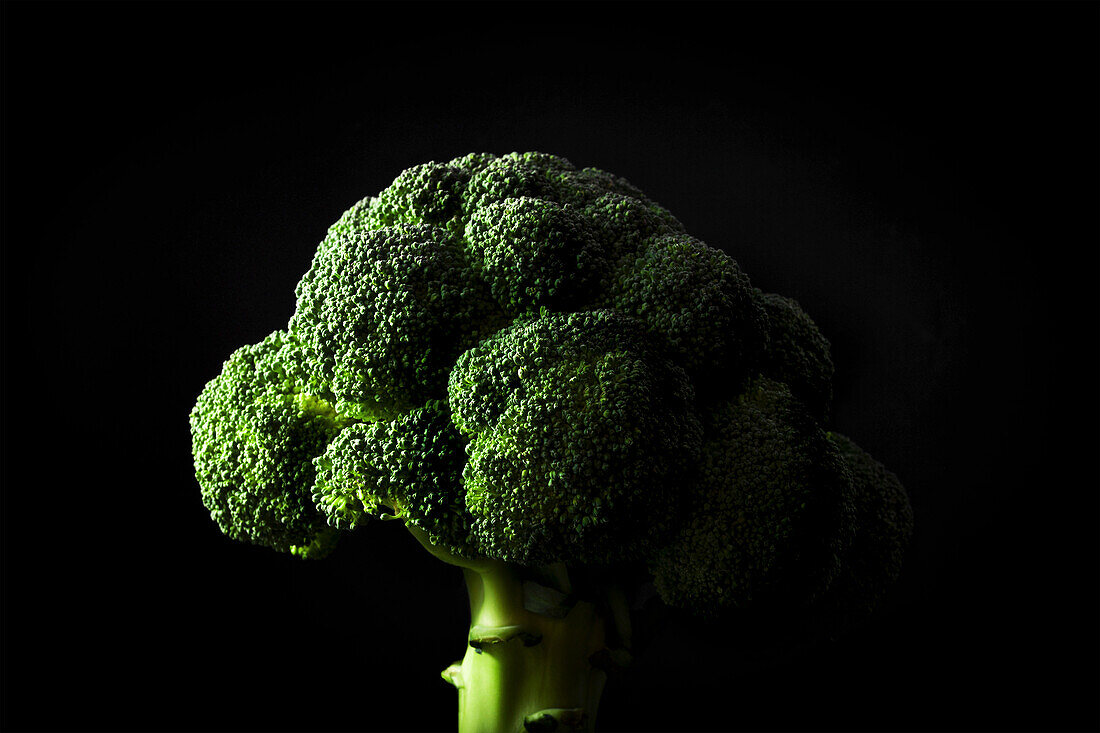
(555, 719)
(453, 675)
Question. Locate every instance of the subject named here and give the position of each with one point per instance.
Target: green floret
(408, 469)
(626, 224)
(584, 186)
(535, 253)
(696, 300)
(579, 433)
(513, 176)
(797, 353)
(543, 231)
(472, 162)
(768, 514)
(425, 194)
(430, 193)
(255, 430)
(883, 528)
(383, 315)
(363, 216)
(537, 175)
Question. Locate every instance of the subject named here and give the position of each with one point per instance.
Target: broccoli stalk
(524, 670)
(562, 393)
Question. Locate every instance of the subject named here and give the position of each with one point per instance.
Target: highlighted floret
(579, 434)
(383, 315)
(256, 428)
(424, 194)
(512, 176)
(535, 253)
(408, 468)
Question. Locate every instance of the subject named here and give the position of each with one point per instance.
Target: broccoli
(559, 391)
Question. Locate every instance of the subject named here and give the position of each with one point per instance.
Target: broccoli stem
(522, 671)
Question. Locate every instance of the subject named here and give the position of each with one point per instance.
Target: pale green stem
(522, 671)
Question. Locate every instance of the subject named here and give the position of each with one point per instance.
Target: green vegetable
(559, 391)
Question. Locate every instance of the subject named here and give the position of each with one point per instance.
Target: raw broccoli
(557, 389)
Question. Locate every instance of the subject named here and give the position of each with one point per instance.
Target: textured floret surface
(578, 433)
(770, 511)
(536, 363)
(256, 429)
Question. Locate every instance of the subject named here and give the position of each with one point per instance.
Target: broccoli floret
(256, 428)
(769, 513)
(535, 253)
(530, 175)
(554, 387)
(577, 437)
(797, 353)
(382, 315)
(694, 298)
(424, 194)
(626, 223)
(407, 469)
(883, 526)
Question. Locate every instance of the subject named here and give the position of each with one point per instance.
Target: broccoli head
(556, 388)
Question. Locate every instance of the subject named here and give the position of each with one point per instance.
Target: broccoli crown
(536, 363)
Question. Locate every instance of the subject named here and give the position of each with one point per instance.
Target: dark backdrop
(922, 177)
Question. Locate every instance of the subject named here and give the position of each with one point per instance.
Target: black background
(922, 177)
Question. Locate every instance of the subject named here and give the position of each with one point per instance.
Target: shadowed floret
(797, 353)
(535, 253)
(883, 528)
(584, 186)
(696, 300)
(768, 514)
(255, 430)
(383, 315)
(625, 225)
(579, 433)
(408, 468)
